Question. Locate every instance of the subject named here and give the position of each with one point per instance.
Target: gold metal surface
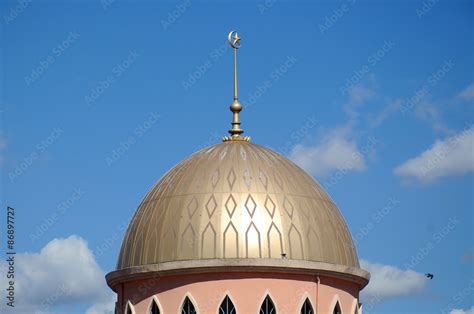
(237, 200)
(236, 106)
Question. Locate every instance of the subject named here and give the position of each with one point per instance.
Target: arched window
(337, 309)
(129, 308)
(356, 306)
(188, 307)
(307, 308)
(267, 306)
(227, 307)
(154, 309)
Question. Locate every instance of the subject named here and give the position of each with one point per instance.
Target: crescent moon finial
(234, 39)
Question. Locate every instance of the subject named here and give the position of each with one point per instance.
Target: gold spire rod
(235, 107)
(236, 93)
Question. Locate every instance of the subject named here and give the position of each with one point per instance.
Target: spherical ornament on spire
(236, 106)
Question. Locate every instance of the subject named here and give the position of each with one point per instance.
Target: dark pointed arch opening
(154, 308)
(307, 308)
(128, 308)
(337, 309)
(188, 307)
(267, 306)
(227, 307)
(356, 308)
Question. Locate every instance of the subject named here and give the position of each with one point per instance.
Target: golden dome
(237, 200)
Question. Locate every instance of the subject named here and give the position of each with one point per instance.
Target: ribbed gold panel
(237, 200)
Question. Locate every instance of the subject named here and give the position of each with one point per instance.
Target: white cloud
(467, 93)
(389, 110)
(431, 114)
(335, 152)
(358, 96)
(388, 281)
(458, 311)
(103, 307)
(338, 149)
(63, 272)
(452, 156)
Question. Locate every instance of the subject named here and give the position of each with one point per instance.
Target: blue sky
(375, 99)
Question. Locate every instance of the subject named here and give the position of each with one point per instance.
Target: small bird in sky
(429, 276)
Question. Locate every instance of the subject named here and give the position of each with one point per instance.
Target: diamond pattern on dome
(208, 151)
(247, 178)
(263, 178)
(215, 178)
(230, 205)
(192, 206)
(222, 154)
(250, 205)
(289, 209)
(278, 180)
(231, 178)
(207, 207)
(213, 153)
(243, 153)
(291, 183)
(211, 206)
(262, 155)
(270, 206)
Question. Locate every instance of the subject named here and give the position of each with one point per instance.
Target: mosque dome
(237, 200)
(237, 227)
